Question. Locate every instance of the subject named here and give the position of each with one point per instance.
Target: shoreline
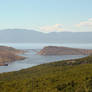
(9, 54)
(32, 65)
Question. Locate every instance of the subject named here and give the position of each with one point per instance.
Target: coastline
(9, 54)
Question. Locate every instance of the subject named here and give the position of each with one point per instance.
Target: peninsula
(9, 54)
(54, 50)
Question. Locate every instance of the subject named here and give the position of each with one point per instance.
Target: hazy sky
(46, 15)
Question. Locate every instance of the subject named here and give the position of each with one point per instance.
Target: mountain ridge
(29, 36)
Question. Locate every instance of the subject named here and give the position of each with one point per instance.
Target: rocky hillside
(9, 54)
(53, 50)
(10, 49)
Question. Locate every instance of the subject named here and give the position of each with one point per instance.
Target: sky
(46, 15)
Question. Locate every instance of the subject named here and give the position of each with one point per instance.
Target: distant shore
(9, 54)
(55, 50)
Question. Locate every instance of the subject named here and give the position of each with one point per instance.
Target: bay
(34, 59)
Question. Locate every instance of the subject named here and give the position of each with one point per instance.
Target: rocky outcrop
(54, 50)
(9, 54)
(11, 50)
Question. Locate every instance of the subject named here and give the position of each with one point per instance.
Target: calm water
(41, 45)
(34, 59)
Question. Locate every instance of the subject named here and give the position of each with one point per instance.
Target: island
(9, 54)
(55, 50)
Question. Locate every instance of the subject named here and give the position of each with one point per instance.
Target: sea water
(33, 59)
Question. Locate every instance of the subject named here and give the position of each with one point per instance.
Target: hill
(62, 76)
(54, 50)
(31, 36)
(9, 54)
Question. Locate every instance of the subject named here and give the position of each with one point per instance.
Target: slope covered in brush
(61, 76)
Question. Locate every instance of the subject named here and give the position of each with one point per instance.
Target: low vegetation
(62, 76)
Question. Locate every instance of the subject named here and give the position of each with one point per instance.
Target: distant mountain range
(30, 36)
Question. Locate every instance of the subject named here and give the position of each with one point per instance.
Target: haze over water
(41, 45)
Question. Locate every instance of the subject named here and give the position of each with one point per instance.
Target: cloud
(53, 28)
(87, 23)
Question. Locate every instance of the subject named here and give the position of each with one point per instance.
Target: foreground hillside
(9, 54)
(61, 76)
(54, 50)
